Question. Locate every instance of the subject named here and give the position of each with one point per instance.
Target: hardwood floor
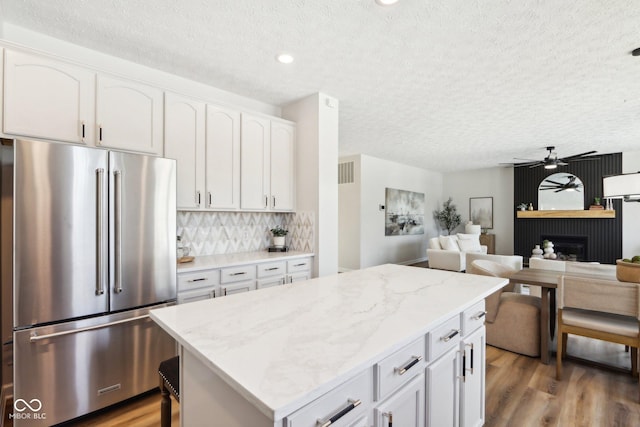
(142, 411)
(520, 391)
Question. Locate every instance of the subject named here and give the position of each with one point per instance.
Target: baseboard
(344, 269)
(414, 261)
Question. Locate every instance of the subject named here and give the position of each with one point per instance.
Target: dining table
(548, 282)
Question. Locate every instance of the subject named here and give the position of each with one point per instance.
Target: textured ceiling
(441, 85)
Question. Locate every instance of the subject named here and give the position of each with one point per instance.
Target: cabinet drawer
(473, 318)
(201, 279)
(351, 399)
(236, 288)
(302, 264)
(269, 282)
(237, 274)
(197, 295)
(272, 269)
(444, 337)
(398, 368)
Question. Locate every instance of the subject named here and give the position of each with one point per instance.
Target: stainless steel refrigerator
(93, 249)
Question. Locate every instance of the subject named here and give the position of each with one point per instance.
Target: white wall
(349, 219)
(630, 211)
(375, 248)
(491, 182)
(317, 172)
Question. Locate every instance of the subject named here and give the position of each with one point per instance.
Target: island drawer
(200, 279)
(302, 264)
(238, 274)
(473, 318)
(398, 368)
(343, 405)
(272, 269)
(444, 337)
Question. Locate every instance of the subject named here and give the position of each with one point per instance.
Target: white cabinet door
(283, 137)
(47, 99)
(223, 158)
(184, 139)
(442, 390)
(128, 115)
(473, 384)
(254, 155)
(404, 408)
(197, 295)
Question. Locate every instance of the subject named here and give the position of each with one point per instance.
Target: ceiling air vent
(345, 173)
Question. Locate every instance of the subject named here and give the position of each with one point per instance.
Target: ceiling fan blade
(554, 182)
(575, 156)
(534, 165)
(584, 158)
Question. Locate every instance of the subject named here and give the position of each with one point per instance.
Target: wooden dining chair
(598, 308)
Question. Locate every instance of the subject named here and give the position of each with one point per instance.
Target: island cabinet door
(472, 388)
(404, 408)
(442, 390)
(345, 406)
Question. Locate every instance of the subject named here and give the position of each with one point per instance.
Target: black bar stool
(169, 371)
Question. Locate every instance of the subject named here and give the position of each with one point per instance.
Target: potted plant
(279, 234)
(522, 206)
(448, 217)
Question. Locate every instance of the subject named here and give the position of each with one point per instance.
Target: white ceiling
(441, 85)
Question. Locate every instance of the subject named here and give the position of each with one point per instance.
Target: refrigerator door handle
(99, 236)
(34, 337)
(117, 230)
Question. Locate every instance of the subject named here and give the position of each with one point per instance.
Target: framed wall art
(481, 211)
(404, 212)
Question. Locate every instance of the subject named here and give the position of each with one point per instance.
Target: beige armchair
(513, 319)
(598, 308)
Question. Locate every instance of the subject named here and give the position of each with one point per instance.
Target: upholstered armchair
(449, 252)
(513, 319)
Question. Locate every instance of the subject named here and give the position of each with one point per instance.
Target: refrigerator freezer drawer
(78, 367)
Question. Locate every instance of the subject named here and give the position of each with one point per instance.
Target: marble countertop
(229, 260)
(283, 347)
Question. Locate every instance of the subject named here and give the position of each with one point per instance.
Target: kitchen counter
(280, 348)
(229, 260)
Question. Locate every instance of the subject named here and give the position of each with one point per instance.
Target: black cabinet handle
(340, 414)
(453, 333)
(401, 371)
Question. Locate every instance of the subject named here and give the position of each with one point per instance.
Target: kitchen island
(340, 349)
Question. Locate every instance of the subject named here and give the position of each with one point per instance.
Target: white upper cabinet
(128, 116)
(267, 159)
(184, 141)
(255, 148)
(49, 99)
(283, 137)
(223, 158)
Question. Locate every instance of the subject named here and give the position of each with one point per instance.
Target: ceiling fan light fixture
(551, 166)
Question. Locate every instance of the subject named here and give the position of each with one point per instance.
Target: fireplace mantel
(593, 213)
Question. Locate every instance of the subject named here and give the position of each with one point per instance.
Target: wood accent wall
(604, 234)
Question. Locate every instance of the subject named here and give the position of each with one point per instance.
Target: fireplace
(569, 248)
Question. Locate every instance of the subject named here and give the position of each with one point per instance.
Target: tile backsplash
(211, 233)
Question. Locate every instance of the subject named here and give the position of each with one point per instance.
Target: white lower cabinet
(236, 288)
(442, 390)
(456, 380)
(404, 408)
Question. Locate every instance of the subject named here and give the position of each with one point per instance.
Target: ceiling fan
(570, 185)
(552, 161)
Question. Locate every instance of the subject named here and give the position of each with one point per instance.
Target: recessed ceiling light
(386, 2)
(285, 58)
